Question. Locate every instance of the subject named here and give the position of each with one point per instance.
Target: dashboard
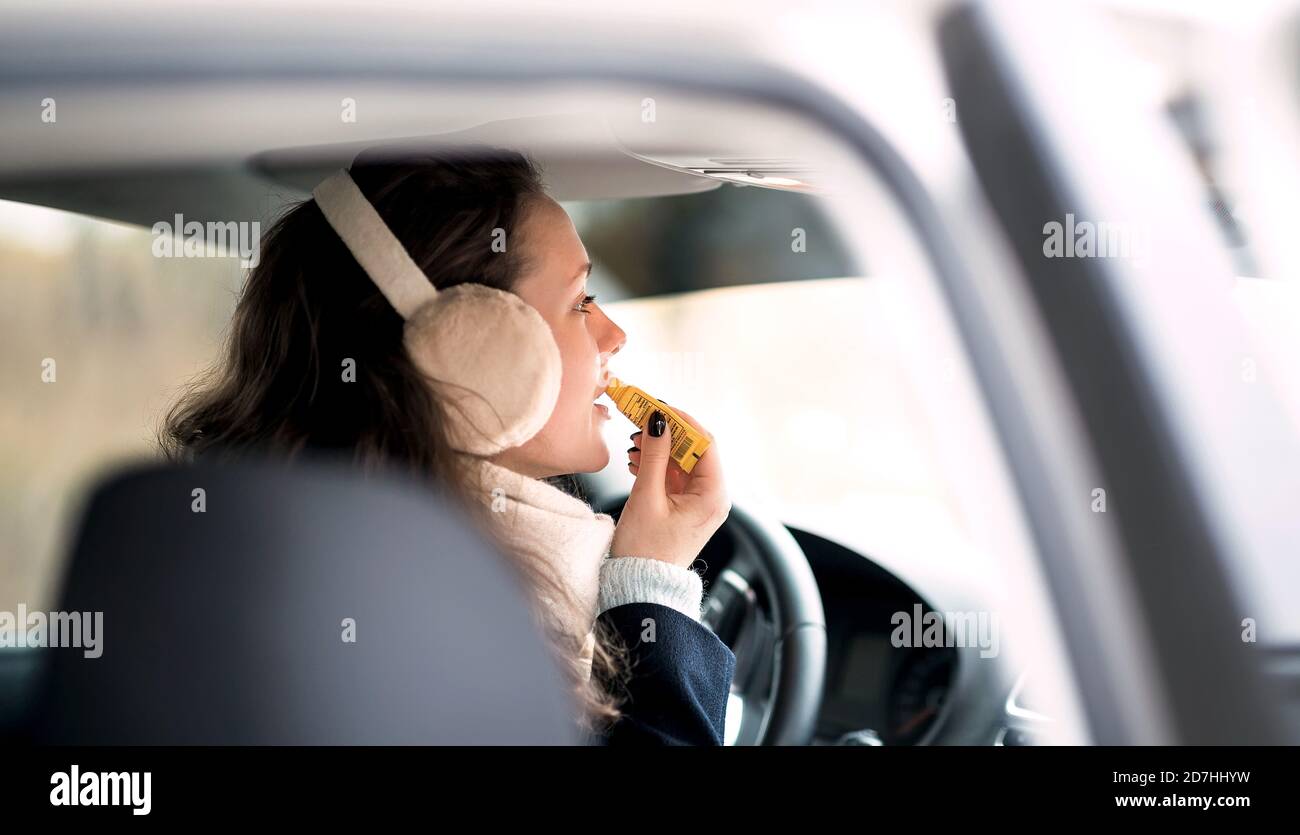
(876, 693)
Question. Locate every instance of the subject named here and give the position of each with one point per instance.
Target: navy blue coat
(680, 680)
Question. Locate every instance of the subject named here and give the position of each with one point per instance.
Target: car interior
(800, 291)
(833, 679)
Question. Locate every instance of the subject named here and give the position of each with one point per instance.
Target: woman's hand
(670, 514)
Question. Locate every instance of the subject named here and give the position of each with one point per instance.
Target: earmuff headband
(373, 244)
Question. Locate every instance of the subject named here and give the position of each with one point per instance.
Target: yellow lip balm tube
(688, 442)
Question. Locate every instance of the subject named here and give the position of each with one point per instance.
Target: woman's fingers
(652, 466)
(676, 478)
(712, 470)
(670, 513)
(705, 478)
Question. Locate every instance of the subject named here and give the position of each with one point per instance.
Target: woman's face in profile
(556, 285)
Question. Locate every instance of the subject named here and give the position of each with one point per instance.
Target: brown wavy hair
(307, 307)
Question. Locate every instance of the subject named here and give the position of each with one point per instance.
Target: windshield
(801, 385)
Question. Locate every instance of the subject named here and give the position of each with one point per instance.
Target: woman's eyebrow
(584, 271)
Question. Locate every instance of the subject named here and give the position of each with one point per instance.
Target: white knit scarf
(542, 522)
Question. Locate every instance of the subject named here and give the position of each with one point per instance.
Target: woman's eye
(586, 300)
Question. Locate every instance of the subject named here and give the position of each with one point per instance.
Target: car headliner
(232, 120)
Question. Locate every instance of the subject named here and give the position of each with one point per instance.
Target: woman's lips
(602, 408)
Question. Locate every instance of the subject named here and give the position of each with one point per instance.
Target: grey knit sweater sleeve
(647, 580)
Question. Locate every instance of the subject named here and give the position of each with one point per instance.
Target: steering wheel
(764, 604)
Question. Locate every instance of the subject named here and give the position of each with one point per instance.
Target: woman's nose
(613, 338)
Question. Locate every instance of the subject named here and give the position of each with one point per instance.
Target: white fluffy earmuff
(489, 354)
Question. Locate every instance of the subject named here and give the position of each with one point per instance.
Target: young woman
(316, 363)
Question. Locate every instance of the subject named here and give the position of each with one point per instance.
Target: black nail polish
(657, 424)
(634, 449)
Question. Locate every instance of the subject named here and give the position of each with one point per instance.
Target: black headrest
(225, 622)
